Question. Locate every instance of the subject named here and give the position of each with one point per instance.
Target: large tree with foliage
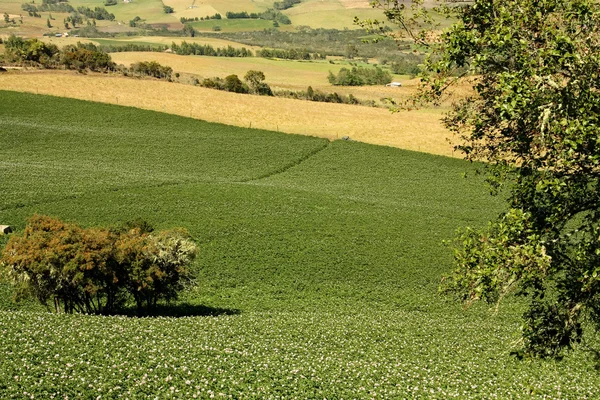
(534, 119)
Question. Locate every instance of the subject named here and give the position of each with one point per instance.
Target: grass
(421, 130)
(318, 261)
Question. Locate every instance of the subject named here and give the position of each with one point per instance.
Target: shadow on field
(182, 310)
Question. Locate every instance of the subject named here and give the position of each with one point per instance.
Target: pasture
(317, 274)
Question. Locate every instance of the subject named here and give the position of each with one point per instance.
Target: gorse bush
(96, 270)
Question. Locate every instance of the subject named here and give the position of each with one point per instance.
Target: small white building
(394, 84)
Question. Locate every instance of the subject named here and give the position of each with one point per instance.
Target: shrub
(234, 84)
(96, 270)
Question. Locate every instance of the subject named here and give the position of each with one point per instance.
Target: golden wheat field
(415, 130)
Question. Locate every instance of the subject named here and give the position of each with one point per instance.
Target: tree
(534, 119)
(168, 9)
(255, 80)
(48, 23)
(234, 84)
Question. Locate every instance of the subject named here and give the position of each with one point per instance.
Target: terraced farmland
(317, 274)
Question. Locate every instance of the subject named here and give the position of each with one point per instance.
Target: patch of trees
(240, 15)
(86, 56)
(269, 15)
(97, 13)
(50, 5)
(82, 56)
(285, 4)
(183, 20)
(168, 9)
(111, 48)
(30, 52)
(360, 76)
(137, 21)
(254, 83)
(186, 48)
(152, 69)
(109, 3)
(320, 96)
(289, 54)
(97, 271)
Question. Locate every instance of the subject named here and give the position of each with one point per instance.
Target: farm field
(285, 74)
(313, 13)
(419, 130)
(317, 274)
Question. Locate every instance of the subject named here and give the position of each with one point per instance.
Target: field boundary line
(288, 166)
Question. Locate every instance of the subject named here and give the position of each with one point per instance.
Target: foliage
(289, 54)
(318, 95)
(109, 3)
(92, 270)
(86, 56)
(137, 22)
(168, 9)
(534, 118)
(285, 4)
(198, 49)
(256, 83)
(97, 13)
(151, 68)
(30, 51)
(360, 76)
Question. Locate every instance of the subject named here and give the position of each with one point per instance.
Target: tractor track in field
(288, 166)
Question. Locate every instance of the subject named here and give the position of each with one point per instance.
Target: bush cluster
(82, 56)
(317, 95)
(97, 13)
(94, 270)
(186, 48)
(285, 4)
(290, 54)
(253, 83)
(151, 68)
(359, 76)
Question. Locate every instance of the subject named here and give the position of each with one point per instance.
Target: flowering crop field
(317, 274)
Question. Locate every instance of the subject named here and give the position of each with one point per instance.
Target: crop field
(419, 130)
(317, 274)
(314, 13)
(280, 74)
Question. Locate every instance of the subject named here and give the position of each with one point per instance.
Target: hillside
(314, 13)
(317, 274)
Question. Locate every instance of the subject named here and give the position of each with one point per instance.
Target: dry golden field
(280, 74)
(416, 130)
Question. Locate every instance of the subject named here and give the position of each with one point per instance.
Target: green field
(317, 274)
